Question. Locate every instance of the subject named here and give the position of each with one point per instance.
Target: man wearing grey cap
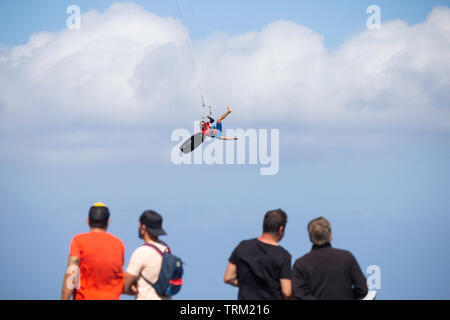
(145, 262)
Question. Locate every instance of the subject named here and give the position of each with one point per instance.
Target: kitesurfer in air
(215, 131)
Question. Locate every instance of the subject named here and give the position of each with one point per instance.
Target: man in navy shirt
(325, 272)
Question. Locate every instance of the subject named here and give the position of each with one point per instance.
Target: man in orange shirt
(95, 267)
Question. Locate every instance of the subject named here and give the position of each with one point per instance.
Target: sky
(363, 116)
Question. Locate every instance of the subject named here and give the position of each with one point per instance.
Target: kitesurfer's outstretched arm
(211, 120)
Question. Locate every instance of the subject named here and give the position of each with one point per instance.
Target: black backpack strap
(148, 281)
(161, 242)
(156, 248)
(162, 255)
(167, 247)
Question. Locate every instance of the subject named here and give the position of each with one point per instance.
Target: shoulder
(162, 246)
(80, 237)
(312, 256)
(140, 251)
(318, 255)
(243, 247)
(113, 238)
(148, 251)
(344, 253)
(284, 252)
(300, 261)
(141, 254)
(246, 243)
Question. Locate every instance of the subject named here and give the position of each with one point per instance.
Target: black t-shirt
(260, 267)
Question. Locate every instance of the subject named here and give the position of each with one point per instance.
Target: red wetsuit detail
(207, 130)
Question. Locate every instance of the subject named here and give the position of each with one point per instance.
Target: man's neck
(326, 245)
(269, 239)
(148, 238)
(98, 230)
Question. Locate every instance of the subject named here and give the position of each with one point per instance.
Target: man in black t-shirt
(260, 267)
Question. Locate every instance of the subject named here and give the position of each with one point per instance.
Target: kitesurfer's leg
(225, 115)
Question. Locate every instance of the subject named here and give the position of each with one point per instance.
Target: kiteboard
(192, 143)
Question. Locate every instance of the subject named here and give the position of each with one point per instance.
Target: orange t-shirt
(101, 266)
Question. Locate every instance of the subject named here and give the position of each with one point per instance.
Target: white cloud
(127, 73)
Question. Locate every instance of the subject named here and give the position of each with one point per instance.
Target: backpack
(170, 277)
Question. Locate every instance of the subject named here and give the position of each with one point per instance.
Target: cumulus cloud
(126, 78)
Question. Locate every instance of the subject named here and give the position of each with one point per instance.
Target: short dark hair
(273, 220)
(319, 231)
(98, 217)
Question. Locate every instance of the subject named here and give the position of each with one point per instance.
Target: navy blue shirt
(328, 273)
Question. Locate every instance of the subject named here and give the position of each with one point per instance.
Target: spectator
(260, 267)
(325, 272)
(145, 262)
(95, 267)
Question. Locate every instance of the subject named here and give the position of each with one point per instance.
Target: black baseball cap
(153, 221)
(98, 212)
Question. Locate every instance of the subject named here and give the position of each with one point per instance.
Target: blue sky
(381, 178)
(334, 19)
